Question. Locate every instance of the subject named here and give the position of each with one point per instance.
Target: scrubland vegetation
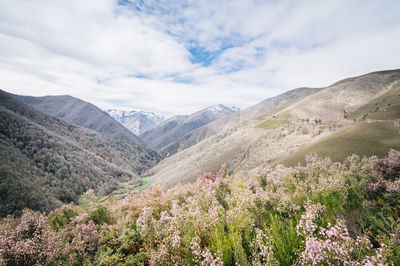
(321, 213)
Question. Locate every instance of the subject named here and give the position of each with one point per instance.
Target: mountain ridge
(46, 161)
(83, 114)
(136, 121)
(176, 127)
(255, 143)
(234, 119)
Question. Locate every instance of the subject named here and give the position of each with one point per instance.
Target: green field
(385, 107)
(126, 190)
(361, 138)
(271, 124)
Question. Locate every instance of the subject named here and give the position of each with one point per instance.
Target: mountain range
(230, 121)
(176, 127)
(357, 115)
(136, 121)
(54, 148)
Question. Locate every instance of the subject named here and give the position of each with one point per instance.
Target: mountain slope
(376, 131)
(235, 119)
(83, 114)
(136, 121)
(176, 127)
(46, 161)
(362, 138)
(256, 142)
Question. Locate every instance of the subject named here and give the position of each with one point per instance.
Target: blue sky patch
(183, 80)
(202, 56)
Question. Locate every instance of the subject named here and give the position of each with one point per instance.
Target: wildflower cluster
(322, 213)
(333, 244)
(30, 240)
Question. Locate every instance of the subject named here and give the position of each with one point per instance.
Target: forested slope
(46, 161)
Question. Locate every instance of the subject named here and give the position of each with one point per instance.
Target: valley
(66, 158)
(47, 161)
(196, 133)
(358, 115)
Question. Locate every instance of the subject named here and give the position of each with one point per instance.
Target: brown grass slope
(257, 142)
(235, 119)
(83, 114)
(384, 107)
(376, 131)
(46, 161)
(361, 138)
(332, 103)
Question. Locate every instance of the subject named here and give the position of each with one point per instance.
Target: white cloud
(133, 55)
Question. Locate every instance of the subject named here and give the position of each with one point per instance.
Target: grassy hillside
(350, 79)
(276, 120)
(385, 107)
(362, 138)
(271, 124)
(377, 131)
(287, 129)
(335, 102)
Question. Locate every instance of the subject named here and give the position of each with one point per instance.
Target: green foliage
(286, 241)
(100, 216)
(239, 254)
(333, 200)
(46, 162)
(125, 247)
(222, 192)
(60, 218)
(222, 243)
(318, 214)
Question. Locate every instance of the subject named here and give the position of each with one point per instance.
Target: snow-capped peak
(236, 109)
(220, 108)
(136, 121)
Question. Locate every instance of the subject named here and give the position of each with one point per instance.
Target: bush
(320, 213)
(100, 216)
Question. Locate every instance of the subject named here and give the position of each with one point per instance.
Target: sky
(177, 57)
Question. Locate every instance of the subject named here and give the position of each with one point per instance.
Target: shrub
(100, 216)
(321, 213)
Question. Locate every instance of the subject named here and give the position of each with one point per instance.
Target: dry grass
(271, 124)
(374, 138)
(289, 128)
(385, 107)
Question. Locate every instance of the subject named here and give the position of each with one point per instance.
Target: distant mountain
(136, 121)
(235, 119)
(46, 161)
(83, 114)
(358, 115)
(176, 127)
(236, 109)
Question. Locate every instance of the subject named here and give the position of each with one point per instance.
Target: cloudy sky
(176, 57)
